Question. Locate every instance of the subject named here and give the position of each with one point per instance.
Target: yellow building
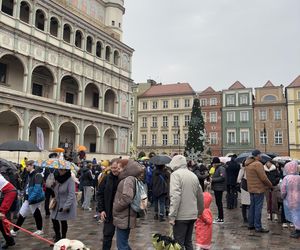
(293, 106)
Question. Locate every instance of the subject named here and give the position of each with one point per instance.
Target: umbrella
(144, 158)
(272, 155)
(81, 148)
(224, 159)
(56, 164)
(58, 150)
(282, 159)
(7, 165)
(243, 156)
(160, 159)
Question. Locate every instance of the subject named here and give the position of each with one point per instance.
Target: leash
(30, 233)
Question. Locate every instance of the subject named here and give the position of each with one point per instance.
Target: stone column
(54, 95)
(29, 77)
(26, 127)
(81, 133)
(51, 138)
(79, 98)
(15, 8)
(77, 140)
(118, 141)
(55, 141)
(98, 142)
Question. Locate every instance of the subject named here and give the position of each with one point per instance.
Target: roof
(237, 85)
(169, 90)
(269, 84)
(295, 83)
(208, 90)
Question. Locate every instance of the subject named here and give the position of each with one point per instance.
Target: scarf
(63, 178)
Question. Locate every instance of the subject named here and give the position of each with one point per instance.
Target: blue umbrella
(243, 156)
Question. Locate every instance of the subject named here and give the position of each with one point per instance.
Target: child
(204, 225)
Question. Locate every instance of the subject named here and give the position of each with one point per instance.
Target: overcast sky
(214, 42)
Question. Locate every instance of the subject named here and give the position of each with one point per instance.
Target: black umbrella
(272, 155)
(243, 156)
(160, 159)
(5, 165)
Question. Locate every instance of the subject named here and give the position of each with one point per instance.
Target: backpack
(140, 199)
(50, 180)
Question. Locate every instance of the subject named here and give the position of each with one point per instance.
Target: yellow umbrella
(58, 150)
(81, 148)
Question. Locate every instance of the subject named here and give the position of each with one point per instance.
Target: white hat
(178, 161)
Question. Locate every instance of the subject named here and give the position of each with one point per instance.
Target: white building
(64, 69)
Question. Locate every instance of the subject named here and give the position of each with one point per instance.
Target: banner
(40, 138)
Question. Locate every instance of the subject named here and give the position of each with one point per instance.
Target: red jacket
(9, 194)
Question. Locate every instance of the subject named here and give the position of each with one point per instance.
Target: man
(232, 172)
(258, 184)
(105, 198)
(186, 201)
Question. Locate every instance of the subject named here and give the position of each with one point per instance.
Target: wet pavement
(233, 234)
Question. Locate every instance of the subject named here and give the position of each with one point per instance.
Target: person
(200, 171)
(124, 217)
(245, 195)
(87, 182)
(232, 172)
(160, 190)
(186, 201)
(290, 192)
(23, 163)
(204, 225)
(105, 197)
(8, 196)
(218, 185)
(258, 183)
(66, 205)
(33, 198)
(271, 195)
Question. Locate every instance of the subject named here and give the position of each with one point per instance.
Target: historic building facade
(270, 119)
(65, 75)
(237, 119)
(164, 113)
(211, 107)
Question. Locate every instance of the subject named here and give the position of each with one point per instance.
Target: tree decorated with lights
(196, 136)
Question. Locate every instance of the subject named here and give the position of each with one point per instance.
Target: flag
(40, 138)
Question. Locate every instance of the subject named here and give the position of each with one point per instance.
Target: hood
(207, 198)
(291, 168)
(177, 162)
(133, 168)
(249, 160)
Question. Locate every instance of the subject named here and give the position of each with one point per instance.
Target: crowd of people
(180, 191)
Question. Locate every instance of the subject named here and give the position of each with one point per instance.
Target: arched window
(116, 57)
(89, 44)
(40, 20)
(53, 26)
(24, 12)
(67, 33)
(98, 49)
(78, 39)
(107, 53)
(270, 98)
(7, 7)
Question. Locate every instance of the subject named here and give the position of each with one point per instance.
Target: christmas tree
(196, 135)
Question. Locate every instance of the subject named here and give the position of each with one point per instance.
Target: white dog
(66, 244)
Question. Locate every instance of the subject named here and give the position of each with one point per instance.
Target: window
(145, 105)
(40, 20)
(165, 121)
(165, 104)
(95, 100)
(89, 44)
(154, 122)
(176, 139)
(299, 95)
(54, 26)
(230, 136)
(243, 99)
(154, 105)
(69, 98)
(213, 101)
(144, 122)
(107, 53)
(213, 138)
(277, 114)
(204, 116)
(186, 120)
(92, 147)
(3, 72)
(186, 103)
(298, 114)
(278, 137)
(244, 116)
(116, 57)
(165, 139)
(231, 116)
(98, 49)
(154, 139)
(185, 138)
(37, 89)
(24, 12)
(119, 25)
(67, 33)
(263, 115)
(176, 103)
(230, 100)
(78, 39)
(270, 98)
(213, 117)
(132, 101)
(113, 23)
(7, 7)
(144, 140)
(244, 136)
(263, 138)
(176, 121)
(203, 102)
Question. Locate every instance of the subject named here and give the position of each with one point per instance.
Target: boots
(295, 234)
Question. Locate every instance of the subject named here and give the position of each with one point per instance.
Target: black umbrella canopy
(24, 146)
(160, 159)
(5, 165)
(243, 156)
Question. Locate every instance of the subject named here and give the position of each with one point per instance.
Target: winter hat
(215, 160)
(177, 162)
(256, 152)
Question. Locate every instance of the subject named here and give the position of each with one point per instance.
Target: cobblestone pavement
(233, 234)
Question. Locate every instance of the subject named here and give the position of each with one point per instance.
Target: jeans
(161, 200)
(122, 239)
(256, 205)
(108, 234)
(88, 191)
(183, 232)
(218, 197)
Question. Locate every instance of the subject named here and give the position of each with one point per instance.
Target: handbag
(52, 204)
(36, 194)
(244, 184)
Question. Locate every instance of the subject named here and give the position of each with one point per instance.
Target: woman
(290, 192)
(87, 181)
(245, 195)
(124, 217)
(65, 208)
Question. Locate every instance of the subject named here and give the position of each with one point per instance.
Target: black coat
(86, 178)
(160, 182)
(232, 172)
(106, 194)
(201, 172)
